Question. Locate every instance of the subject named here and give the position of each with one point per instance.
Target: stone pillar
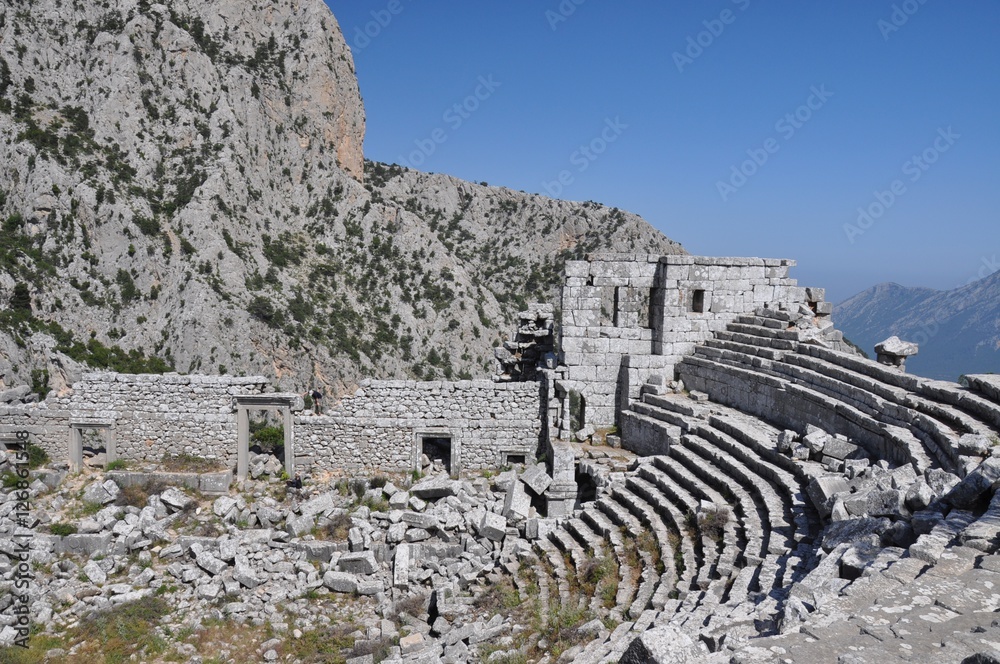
(242, 443)
(560, 497)
(110, 444)
(75, 448)
(289, 442)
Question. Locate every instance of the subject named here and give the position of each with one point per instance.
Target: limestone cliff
(183, 185)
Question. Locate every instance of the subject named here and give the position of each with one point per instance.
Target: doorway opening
(91, 445)
(437, 448)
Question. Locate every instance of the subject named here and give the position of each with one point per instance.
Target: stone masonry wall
(379, 427)
(151, 415)
(626, 317)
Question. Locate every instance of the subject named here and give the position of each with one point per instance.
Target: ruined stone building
(786, 483)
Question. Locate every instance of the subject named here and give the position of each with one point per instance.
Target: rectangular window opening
(698, 302)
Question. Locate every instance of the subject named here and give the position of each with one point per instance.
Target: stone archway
(287, 404)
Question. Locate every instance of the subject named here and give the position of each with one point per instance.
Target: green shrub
(37, 457)
(117, 464)
(268, 437)
(62, 529)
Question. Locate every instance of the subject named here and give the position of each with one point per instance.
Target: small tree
(20, 299)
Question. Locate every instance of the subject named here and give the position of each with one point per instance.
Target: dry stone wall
(150, 415)
(381, 426)
(626, 317)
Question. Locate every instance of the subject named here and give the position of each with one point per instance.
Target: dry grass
(188, 463)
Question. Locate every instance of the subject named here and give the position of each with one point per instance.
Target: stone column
(242, 443)
(286, 414)
(75, 448)
(110, 444)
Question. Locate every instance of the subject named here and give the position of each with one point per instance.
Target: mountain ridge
(183, 186)
(958, 330)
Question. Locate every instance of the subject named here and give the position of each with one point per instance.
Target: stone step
(653, 522)
(674, 403)
(542, 579)
(757, 340)
(956, 407)
(665, 502)
(764, 331)
(752, 533)
(940, 440)
(591, 542)
(599, 523)
(650, 501)
(759, 351)
(666, 474)
(569, 546)
(555, 559)
(761, 321)
(756, 392)
(756, 453)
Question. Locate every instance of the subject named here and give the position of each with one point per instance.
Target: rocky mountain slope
(958, 330)
(182, 185)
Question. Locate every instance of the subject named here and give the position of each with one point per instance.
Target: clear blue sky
(668, 119)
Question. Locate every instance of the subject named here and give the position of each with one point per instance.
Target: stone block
(435, 487)
(340, 582)
(517, 504)
(318, 505)
(101, 493)
(492, 526)
(215, 483)
(85, 545)
(358, 563)
(537, 479)
(839, 448)
(401, 567)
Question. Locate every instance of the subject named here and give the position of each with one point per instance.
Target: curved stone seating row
(789, 518)
(976, 403)
(781, 401)
(675, 480)
(627, 576)
(750, 454)
(894, 415)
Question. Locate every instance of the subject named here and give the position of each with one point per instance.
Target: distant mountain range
(958, 330)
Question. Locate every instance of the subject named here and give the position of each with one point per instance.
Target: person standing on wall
(317, 397)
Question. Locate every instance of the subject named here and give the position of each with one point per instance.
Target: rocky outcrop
(182, 185)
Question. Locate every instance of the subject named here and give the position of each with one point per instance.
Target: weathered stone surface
(662, 645)
(975, 485)
(439, 486)
(492, 526)
(176, 499)
(340, 582)
(853, 531)
(896, 347)
(517, 504)
(537, 479)
(358, 563)
(101, 493)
